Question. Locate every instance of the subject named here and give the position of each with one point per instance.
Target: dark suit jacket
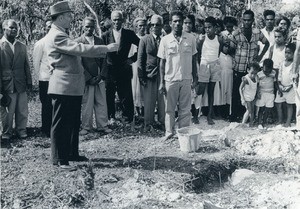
(148, 62)
(15, 70)
(117, 61)
(92, 65)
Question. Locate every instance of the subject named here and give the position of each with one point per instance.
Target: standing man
(178, 69)
(268, 31)
(119, 67)
(149, 76)
(41, 67)
(15, 79)
(245, 42)
(66, 84)
(94, 97)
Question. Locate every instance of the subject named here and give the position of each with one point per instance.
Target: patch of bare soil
(135, 170)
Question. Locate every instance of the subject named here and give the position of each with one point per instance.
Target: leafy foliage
(31, 14)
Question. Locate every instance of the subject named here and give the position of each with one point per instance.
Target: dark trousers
(65, 127)
(46, 106)
(238, 109)
(121, 85)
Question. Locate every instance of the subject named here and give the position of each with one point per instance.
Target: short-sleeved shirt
(178, 56)
(246, 52)
(266, 83)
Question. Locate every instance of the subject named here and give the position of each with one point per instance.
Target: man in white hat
(66, 84)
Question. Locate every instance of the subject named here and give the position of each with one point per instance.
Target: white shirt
(210, 50)
(11, 45)
(271, 38)
(90, 39)
(178, 56)
(40, 61)
(117, 35)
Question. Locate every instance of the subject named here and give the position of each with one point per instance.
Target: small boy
(286, 92)
(265, 95)
(248, 90)
(210, 71)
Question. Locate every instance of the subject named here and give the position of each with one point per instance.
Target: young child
(286, 92)
(265, 95)
(226, 64)
(248, 90)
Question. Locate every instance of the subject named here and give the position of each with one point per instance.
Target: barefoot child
(265, 95)
(286, 92)
(248, 89)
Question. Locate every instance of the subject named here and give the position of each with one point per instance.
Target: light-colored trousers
(18, 107)
(178, 92)
(151, 98)
(94, 100)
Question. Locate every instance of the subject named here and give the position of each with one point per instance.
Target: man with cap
(66, 84)
(119, 67)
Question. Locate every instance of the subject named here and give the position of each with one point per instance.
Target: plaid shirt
(245, 52)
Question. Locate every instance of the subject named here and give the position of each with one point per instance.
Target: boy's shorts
(210, 72)
(266, 100)
(288, 97)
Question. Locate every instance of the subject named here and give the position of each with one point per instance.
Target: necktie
(157, 41)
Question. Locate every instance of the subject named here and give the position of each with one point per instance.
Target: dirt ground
(136, 170)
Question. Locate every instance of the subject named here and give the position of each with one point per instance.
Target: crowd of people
(217, 68)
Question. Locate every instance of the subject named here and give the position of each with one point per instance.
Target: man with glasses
(148, 72)
(66, 84)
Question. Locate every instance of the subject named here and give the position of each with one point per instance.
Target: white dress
(223, 88)
(137, 92)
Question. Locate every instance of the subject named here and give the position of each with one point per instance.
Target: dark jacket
(92, 65)
(148, 62)
(120, 57)
(15, 70)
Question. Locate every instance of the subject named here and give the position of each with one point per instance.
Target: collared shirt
(178, 56)
(40, 61)
(271, 38)
(246, 52)
(117, 35)
(90, 39)
(11, 45)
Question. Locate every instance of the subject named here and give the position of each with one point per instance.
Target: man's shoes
(23, 136)
(67, 167)
(83, 132)
(105, 130)
(168, 137)
(6, 137)
(78, 158)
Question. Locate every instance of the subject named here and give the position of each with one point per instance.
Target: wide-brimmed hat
(59, 8)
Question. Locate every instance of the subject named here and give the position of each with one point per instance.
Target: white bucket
(188, 138)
